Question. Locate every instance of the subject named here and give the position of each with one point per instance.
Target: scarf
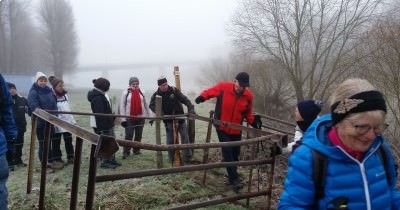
(336, 141)
(136, 103)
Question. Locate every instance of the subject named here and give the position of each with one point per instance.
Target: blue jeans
(183, 131)
(3, 180)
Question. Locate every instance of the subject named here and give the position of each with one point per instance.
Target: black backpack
(320, 166)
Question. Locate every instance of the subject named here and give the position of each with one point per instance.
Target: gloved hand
(191, 111)
(151, 122)
(257, 123)
(124, 124)
(199, 99)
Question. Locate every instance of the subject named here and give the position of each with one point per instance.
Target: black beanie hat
(161, 80)
(102, 84)
(11, 85)
(309, 109)
(54, 81)
(243, 79)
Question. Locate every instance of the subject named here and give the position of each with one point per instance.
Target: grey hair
(349, 88)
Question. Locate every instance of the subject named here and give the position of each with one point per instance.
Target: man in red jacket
(234, 102)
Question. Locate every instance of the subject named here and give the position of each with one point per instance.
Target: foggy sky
(136, 31)
(150, 31)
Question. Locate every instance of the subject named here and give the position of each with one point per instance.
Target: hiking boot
(138, 152)
(124, 156)
(114, 162)
(107, 165)
(11, 168)
(70, 161)
(57, 164)
(237, 186)
(22, 164)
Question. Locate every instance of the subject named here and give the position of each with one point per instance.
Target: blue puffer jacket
(7, 128)
(43, 98)
(364, 183)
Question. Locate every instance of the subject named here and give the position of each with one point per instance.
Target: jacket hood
(316, 137)
(93, 93)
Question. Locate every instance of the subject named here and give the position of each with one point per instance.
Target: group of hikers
(339, 160)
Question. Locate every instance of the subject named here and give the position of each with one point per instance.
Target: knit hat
(161, 80)
(40, 75)
(243, 79)
(309, 109)
(54, 81)
(102, 84)
(11, 85)
(133, 79)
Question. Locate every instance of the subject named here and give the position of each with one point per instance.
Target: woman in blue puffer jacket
(349, 138)
(41, 96)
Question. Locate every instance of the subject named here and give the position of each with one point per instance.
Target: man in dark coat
(172, 100)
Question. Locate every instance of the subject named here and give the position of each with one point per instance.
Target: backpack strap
(320, 166)
(383, 155)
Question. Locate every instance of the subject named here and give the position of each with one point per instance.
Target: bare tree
(18, 37)
(310, 38)
(58, 27)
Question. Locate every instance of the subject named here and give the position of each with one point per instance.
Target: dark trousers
(134, 128)
(40, 136)
(19, 144)
(230, 154)
(69, 148)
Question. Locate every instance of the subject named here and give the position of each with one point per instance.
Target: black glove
(151, 122)
(257, 123)
(124, 124)
(199, 99)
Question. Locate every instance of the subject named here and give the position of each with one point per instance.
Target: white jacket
(125, 105)
(63, 105)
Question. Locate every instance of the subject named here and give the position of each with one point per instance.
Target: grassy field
(158, 192)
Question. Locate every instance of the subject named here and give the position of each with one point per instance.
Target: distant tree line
(44, 39)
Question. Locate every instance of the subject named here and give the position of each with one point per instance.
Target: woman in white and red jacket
(133, 103)
(234, 102)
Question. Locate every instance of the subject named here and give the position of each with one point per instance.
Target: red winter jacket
(230, 107)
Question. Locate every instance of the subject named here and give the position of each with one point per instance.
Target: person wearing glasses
(350, 138)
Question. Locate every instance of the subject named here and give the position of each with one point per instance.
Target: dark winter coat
(43, 98)
(230, 106)
(100, 104)
(172, 101)
(8, 130)
(19, 109)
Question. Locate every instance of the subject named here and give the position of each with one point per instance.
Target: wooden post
(177, 75)
(208, 138)
(75, 173)
(45, 157)
(158, 131)
(31, 155)
(177, 154)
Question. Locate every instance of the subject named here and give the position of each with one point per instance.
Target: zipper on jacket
(364, 176)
